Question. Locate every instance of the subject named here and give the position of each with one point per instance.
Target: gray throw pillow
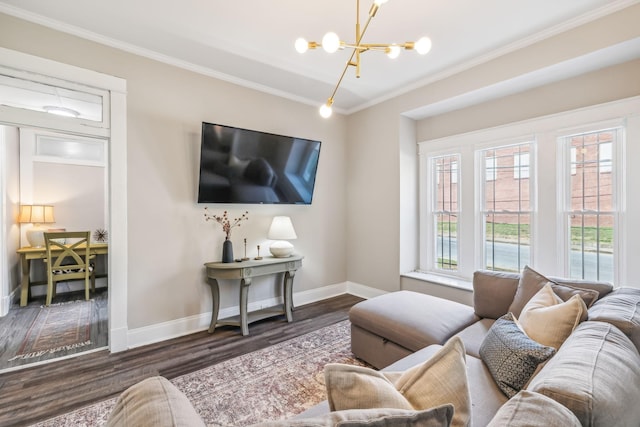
(493, 292)
(435, 417)
(531, 282)
(511, 356)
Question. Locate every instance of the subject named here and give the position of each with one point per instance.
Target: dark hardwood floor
(36, 393)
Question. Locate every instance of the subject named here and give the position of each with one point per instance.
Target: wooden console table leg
(244, 294)
(215, 296)
(24, 288)
(288, 294)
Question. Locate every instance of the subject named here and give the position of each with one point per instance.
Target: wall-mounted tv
(247, 166)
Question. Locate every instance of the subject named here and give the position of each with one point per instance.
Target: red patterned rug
(56, 329)
(269, 384)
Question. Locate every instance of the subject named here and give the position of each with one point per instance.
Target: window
(310, 165)
(506, 208)
(590, 205)
(445, 211)
(555, 193)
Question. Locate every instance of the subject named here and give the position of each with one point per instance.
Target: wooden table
(245, 271)
(29, 253)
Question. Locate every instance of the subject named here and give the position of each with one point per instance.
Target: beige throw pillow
(440, 380)
(548, 320)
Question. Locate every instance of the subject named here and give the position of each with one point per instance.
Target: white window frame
(568, 161)
(548, 245)
(480, 192)
(429, 224)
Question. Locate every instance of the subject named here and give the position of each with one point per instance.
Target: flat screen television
(247, 166)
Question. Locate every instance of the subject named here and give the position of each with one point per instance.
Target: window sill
(440, 279)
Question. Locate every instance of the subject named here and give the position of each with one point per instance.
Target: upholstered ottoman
(389, 327)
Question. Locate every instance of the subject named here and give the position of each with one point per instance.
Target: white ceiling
(250, 42)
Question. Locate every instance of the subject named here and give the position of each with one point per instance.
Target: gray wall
(383, 222)
(169, 241)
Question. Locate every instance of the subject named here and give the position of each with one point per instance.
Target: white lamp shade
(281, 230)
(37, 215)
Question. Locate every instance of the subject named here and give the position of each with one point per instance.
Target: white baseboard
(192, 324)
(363, 291)
(5, 304)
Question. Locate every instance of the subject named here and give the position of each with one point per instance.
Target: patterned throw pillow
(511, 356)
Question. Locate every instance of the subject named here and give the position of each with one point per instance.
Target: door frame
(115, 129)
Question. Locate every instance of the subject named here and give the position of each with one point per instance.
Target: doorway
(111, 127)
(67, 173)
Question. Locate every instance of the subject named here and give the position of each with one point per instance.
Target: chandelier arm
(350, 61)
(344, 71)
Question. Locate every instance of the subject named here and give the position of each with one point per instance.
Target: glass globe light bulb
(393, 51)
(423, 46)
(325, 111)
(330, 42)
(301, 45)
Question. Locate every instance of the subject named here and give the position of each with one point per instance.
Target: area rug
(57, 328)
(273, 383)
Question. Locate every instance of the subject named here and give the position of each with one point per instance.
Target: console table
(245, 271)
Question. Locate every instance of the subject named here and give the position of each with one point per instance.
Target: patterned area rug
(57, 328)
(269, 384)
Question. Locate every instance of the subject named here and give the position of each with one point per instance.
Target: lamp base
(281, 249)
(35, 236)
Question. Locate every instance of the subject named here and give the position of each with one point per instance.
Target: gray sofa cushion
(530, 409)
(411, 319)
(493, 292)
(473, 336)
(621, 308)
(596, 374)
(153, 402)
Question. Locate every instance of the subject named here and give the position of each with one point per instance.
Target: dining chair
(68, 257)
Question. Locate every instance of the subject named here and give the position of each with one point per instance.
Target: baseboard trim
(192, 324)
(5, 304)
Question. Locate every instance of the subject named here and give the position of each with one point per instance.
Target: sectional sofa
(532, 351)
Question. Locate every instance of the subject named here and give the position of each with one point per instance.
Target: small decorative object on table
(227, 225)
(245, 258)
(100, 235)
(258, 257)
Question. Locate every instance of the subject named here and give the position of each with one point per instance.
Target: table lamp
(281, 230)
(36, 215)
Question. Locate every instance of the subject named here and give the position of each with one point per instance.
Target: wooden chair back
(67, 258)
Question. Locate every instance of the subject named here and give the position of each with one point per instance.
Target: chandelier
(331, 43)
